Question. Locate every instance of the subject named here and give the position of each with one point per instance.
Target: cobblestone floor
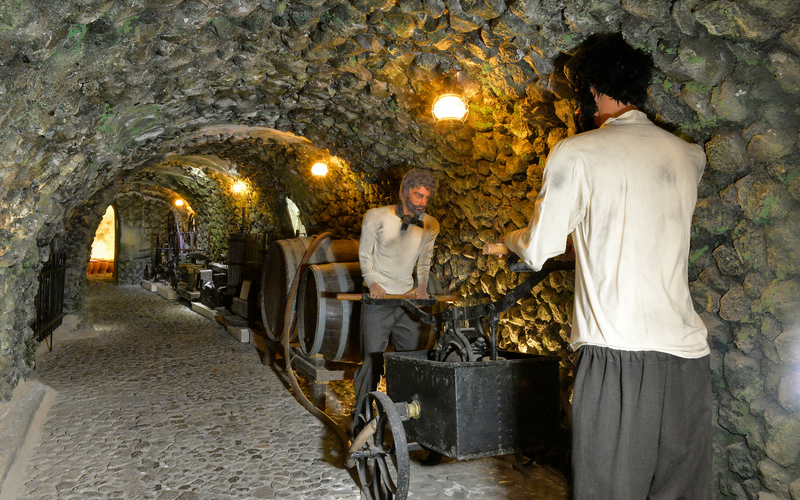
(164, 404)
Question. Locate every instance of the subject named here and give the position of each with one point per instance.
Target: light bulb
(319, 169)
(449, 107)
(239, 187)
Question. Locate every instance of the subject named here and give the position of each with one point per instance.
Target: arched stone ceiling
(269, 158)
(92, 88)
(280, 162)
(126, 84)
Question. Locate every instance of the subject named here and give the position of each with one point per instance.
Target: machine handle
(358, 296)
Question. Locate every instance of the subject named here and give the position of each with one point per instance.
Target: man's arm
(424, 260)
(557, 211)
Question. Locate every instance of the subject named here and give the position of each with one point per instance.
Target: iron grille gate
(50, 298)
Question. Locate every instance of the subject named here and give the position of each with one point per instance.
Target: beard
(416, 210)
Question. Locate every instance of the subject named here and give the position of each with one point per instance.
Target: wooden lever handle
(357, 296)
(496, 249)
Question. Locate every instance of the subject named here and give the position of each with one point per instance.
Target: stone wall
(143, 219)
(279, 168)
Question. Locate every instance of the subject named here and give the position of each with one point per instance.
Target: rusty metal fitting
(414, 409)
(407, 411)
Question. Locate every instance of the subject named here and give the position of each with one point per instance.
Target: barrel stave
(281, 264)
(328, 326)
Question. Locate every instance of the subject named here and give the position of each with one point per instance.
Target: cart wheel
(384, 467)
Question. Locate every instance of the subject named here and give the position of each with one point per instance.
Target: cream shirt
(626, 192)
(388, 255)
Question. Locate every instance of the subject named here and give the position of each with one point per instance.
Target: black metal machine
(462, 400)
(173, 250)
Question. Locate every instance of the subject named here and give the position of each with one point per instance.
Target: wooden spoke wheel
(384, 465)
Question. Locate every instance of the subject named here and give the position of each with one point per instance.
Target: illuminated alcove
(294, 215)
(104, 244)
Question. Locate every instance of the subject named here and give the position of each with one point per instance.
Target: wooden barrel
(333, 327)
(281, 263)
(244, 250)
(325, 325)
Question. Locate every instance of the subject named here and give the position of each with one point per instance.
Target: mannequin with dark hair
(626, 193)
(607, 65)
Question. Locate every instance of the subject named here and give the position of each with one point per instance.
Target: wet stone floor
(164, 404)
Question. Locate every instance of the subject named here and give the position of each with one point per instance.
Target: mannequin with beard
(394, 240)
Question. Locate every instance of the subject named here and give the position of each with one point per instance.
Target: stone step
(20, 430)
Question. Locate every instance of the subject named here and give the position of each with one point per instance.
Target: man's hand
(500, 249)
(376, 291)
(420, 292)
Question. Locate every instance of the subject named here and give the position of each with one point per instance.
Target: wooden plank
(149, 285)
(240, 307)
(239, 333)
(245, 290)
(204, 310)
(167, 292)
(319, 394)
(190, 296)
(315, 373)
(257, 340)
(357, 296)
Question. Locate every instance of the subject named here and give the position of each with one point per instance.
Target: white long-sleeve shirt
(626, 192)
(388, 255)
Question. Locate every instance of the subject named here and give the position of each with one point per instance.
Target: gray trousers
(379, 323)
(641, 426)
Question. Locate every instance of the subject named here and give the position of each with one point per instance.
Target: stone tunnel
(137, 104)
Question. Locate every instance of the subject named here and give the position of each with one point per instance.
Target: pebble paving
(164, 404)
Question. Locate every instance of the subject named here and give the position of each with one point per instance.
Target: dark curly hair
(608, 64)
(417, 178)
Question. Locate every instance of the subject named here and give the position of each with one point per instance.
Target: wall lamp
(179, 202)
(451, 105)
(319, 169)
(239, 187)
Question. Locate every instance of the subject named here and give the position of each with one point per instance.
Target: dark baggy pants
(641, 424)
(379, 323)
